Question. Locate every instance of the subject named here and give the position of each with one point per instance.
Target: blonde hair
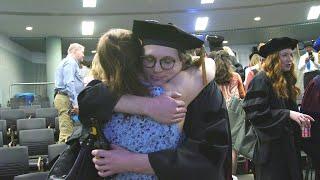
(119, 56)
(96, 70)
(255, 59)
(75, 46)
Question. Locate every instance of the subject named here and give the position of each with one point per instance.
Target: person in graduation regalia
(205, 150)
(270, 106)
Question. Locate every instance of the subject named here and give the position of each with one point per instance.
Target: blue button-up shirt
(68, 79)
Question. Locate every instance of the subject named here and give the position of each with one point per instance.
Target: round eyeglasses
(166, 62)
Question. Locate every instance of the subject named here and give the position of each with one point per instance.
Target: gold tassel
(203, 66)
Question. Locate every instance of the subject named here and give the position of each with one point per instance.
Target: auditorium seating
(30, 110)
(54, 150)
(33, 123)
(13, 161)
(37, 140)
(49, 113)
(11, 116)
(33, 176)
(3, 130)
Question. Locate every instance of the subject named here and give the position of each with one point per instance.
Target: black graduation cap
(154, 33)
(215, 42)
(277, 44)
(254, 51)
(308, 43)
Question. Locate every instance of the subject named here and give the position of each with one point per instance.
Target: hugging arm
(170, 107)
(204, 154)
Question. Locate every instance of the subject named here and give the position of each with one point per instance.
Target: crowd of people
(168, 100)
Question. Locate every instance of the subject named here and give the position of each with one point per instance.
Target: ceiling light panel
(89, 3)
(314, 12)
(29, 28)
(201, 23)
(207, 1)
(258, 18)
(87, 28)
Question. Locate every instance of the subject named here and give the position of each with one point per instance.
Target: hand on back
(167, 108)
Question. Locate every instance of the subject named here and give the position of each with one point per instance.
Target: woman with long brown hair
(270, 106)
(229, 82)
(231, 86)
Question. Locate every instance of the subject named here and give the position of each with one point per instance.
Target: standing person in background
(230, 84)
(270, 106)
(254, 67)
(309, 64)
(68, 84)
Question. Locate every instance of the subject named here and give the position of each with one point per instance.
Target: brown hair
(283, 83)
(119, 54)
(223, 67)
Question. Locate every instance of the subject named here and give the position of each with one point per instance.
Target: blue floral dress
(141, 134)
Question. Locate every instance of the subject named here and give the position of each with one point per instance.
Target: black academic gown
(310, 105)
(276, 156)
(205, 154)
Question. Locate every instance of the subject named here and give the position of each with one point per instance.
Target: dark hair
(86, 63)
(223, 67)
(119, 55)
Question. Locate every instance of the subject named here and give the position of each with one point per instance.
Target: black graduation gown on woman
(276, 156)
(205, 154)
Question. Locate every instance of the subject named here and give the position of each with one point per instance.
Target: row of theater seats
(15, 103)
(28, 138)
(15, 162)
(11, 115)
(33, 127)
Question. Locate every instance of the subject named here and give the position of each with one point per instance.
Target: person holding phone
(309, 64)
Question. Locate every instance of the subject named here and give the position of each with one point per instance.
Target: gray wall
(16, 67)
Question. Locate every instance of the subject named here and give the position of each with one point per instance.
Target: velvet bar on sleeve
(206, 153)
(276, 155)
(266, 112)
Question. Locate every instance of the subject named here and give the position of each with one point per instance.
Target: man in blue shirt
(68, 84)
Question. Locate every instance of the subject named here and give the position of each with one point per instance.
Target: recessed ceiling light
(29, 28)
(201, 23)
(314, 12)
(89, 3)
(207, 1)
(93, 51)
(225, 42)
(87, 27)
(258, 18)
